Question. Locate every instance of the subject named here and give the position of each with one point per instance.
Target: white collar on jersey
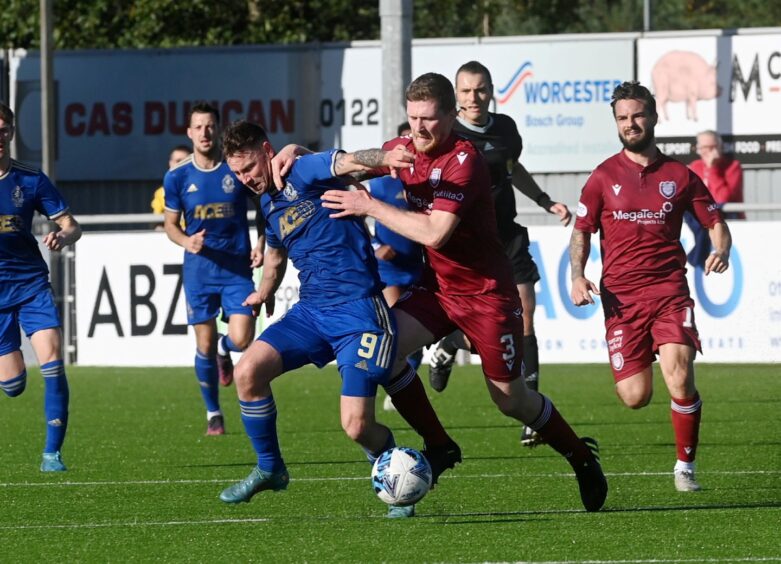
(476, 128)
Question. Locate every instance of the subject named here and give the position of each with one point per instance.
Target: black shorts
(516, 247)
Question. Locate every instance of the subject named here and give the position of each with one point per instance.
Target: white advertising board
(730, 84)
(130, 312)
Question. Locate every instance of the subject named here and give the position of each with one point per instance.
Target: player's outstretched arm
(582, 287)
(721, 240)
(526, 185)
(68, 233)
(274, 266)
(373, 160)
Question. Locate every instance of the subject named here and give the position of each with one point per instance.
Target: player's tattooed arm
(359, 163)
(579, 248)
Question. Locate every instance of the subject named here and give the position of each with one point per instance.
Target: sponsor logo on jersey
(582, 210)
(228, 184)
(217, 210)
(615, 343)
(290, 193)
(10, 223)
(668, 188)
(294, 216)
(435, 177)
(617, 360)
(17, 197)
(192, 188)
(462, 157)
(448, 195)
(644, 216)
(616, 189)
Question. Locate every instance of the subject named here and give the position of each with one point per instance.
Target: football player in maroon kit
(469, 284)
(497, 138)
(636, 199)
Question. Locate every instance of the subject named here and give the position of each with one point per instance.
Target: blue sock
(389, 444)
(206, 372)
(55, 404)
(260, 423)
(15, 386)
(225, 345)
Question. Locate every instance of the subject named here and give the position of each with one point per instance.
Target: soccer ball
(401, 476)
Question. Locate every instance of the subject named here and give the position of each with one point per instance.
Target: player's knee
(243, 341)
(15, 386)
(355, 427)
(636, 399)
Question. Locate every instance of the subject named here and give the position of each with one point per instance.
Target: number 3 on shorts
(509, 345)
(368, 344)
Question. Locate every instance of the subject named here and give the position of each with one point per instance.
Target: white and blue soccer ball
(401, 476)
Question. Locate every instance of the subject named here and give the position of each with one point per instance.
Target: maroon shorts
(634, 330)
(492, 322)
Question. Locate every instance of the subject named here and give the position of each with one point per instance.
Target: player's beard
(424, 144)
(640, 144)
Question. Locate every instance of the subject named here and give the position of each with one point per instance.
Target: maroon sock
(409, 398)
(686, 414)
(558, 434)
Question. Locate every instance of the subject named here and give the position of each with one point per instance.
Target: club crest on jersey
(435, 177)
(17, 197)
(617, 360)
(290, 193)
(616, 189)
(228, 184)
(668, 188)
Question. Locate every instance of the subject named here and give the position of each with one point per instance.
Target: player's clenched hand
(256, 257)
(562, 211)
(355, 202)
(582, 288)
(256, 300)
(195, 242)
(716, 262)
(53, 242)
(398, 158)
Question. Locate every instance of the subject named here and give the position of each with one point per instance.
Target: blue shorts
(360, 335)
(205, 300)
(33, 315)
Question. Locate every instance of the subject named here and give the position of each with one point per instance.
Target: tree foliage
(104, 24)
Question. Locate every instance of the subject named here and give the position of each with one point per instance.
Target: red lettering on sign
(122, 115)
(231, 107)
(280, 116)
(154, 118)
(74, 124)
(98, 120)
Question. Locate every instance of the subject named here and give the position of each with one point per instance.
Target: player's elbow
(435, 240)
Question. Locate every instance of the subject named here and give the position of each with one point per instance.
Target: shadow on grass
(469, 518)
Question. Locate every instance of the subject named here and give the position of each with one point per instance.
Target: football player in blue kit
(218, 257)
(25, 293)
(341, 316)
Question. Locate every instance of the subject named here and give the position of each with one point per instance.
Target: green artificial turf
(143, 479)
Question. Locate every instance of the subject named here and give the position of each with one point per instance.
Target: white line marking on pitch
(654, 561)
(348, 478)
(136, 524)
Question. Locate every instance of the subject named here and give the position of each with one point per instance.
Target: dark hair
(184, 148)
(242, 135)
(403, 126)
(475, 67)
(633, 90)
(204, 108)
(433, 86)
(7, 114)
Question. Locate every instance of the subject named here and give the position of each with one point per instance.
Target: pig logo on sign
(683, 76)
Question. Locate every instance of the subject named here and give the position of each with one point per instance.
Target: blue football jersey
(216, 201)
(407, 266)
(334, 257)
(23, 191)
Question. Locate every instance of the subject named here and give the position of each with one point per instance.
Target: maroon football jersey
(454, 178)
(639, 211)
